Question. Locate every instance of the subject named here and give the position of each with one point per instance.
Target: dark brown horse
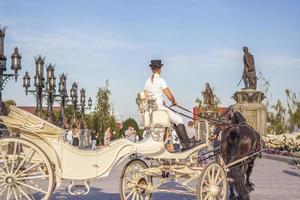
(238, 141)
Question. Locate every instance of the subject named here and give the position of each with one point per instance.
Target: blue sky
(198, 41)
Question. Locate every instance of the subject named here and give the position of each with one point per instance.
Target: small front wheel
(133, 182)
(213, 183)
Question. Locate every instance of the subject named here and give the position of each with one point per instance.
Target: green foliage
(296, 116)
(8, 103)
(102, 116)
(130, 122)
(265, 85)
(292, 108)
(277, 119)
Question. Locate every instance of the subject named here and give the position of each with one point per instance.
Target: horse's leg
(231, 192)
(239, 183)
(249, 185)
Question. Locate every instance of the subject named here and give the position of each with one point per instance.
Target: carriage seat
(151, 116)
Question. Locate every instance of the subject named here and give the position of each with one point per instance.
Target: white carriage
(34, 160)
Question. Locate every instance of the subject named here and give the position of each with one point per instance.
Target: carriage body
(50, 159)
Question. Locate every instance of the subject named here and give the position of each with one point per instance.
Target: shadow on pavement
(96, 193)
(291, 173)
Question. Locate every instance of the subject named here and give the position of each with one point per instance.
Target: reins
(217, 122)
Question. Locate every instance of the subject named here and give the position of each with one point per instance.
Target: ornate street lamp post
(63, 94)
(82, 103)
(39, 83)
(74, 99)
(15, 66)
(50, 90)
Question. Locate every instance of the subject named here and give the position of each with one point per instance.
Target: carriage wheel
(25, 171)
(213, 183)
(133, 184)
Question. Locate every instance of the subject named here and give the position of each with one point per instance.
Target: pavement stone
(274, 180)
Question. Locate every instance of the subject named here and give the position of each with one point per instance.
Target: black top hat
(156, 63)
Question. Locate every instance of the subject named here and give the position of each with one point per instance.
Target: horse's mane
(237, 118)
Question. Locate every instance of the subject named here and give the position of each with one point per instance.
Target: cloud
(226, 59)
(281, 61)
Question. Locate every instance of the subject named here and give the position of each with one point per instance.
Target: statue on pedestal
(249, 73)
(208, 97)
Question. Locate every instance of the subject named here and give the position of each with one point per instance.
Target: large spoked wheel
(25, 171)
(213, 183)
(133, 183)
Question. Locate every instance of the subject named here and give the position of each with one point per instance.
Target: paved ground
(274, 180)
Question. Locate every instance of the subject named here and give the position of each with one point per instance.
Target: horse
(239, 140)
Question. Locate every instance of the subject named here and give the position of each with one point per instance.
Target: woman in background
(107, 136)
(75, 134)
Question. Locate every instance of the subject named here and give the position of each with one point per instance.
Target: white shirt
(155, 88)
(190, 132)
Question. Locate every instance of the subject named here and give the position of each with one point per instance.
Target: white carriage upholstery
(160, 118)
(151, 116)
(19, 119)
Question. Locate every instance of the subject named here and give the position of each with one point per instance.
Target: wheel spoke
(3, 190)
(32, 187)
(213, 175)
(22, 191)
(142, 198)
(9, 193)
(4, 160)
(217, 175)
(209, 177)
(15, 193)
(31, 152)
(220, 181)
(137, 196)
(3, 172)
(33, 177)
(206, 197)
(132, 191)
(29, 168)
(14, 157)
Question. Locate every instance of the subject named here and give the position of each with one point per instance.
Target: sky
(198, 41)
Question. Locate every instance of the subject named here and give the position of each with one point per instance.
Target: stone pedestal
(249, 103)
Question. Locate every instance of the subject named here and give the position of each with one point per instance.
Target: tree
(292, 106)
(130, 122)
(296, 116)
(102, 117)
(277, 119)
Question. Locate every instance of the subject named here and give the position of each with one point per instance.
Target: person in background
(130, 134)
(113, 135)
(69, 135)
(107, 136)
(75, 134)
(191, 131)
(94, 138)
(81, 138)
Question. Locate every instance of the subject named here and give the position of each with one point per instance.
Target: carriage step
(80, 188)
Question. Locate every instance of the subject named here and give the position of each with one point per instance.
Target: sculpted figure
(249, 73)
(208, 97)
